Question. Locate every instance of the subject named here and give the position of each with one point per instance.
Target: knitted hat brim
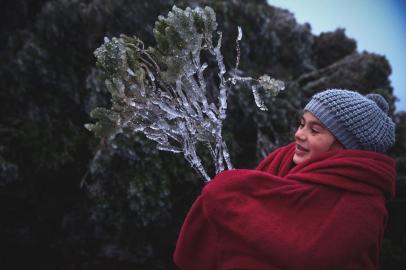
(331, 122)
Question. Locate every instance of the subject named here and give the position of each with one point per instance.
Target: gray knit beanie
(357, 121)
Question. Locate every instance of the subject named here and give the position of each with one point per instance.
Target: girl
(317, 203)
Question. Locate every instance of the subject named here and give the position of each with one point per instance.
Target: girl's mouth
(301, 148)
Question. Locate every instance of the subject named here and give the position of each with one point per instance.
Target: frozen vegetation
(162, 91)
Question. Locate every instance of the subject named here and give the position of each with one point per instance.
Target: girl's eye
(301, 125)
(315, 130)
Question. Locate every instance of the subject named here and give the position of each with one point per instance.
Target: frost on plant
(161, 91)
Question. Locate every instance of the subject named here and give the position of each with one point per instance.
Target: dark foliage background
(70, 201)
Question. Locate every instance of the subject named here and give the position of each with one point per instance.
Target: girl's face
(312, 138)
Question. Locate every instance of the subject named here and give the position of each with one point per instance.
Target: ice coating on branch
(161, 90)
(239, 33)
(270, 86)
(258, 100)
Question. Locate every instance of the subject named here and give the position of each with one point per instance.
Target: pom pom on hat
(357, 121)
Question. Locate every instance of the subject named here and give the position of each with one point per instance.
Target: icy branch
(161, 91)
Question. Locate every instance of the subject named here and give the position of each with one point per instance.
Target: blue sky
(378, 26)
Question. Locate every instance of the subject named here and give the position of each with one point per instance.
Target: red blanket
(325, 213)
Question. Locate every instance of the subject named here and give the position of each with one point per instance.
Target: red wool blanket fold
(325, 213)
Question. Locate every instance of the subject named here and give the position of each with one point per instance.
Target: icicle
(237, 45)
(239, 34)
(169, 148)
(258, 100)
(194, 161)
(130, 72)
(170, 112)
(226, 156)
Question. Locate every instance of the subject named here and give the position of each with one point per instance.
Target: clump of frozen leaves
(161, 91)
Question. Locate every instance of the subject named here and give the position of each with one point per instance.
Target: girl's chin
(299, 158)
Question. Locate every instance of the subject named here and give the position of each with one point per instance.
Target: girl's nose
(299, 135)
